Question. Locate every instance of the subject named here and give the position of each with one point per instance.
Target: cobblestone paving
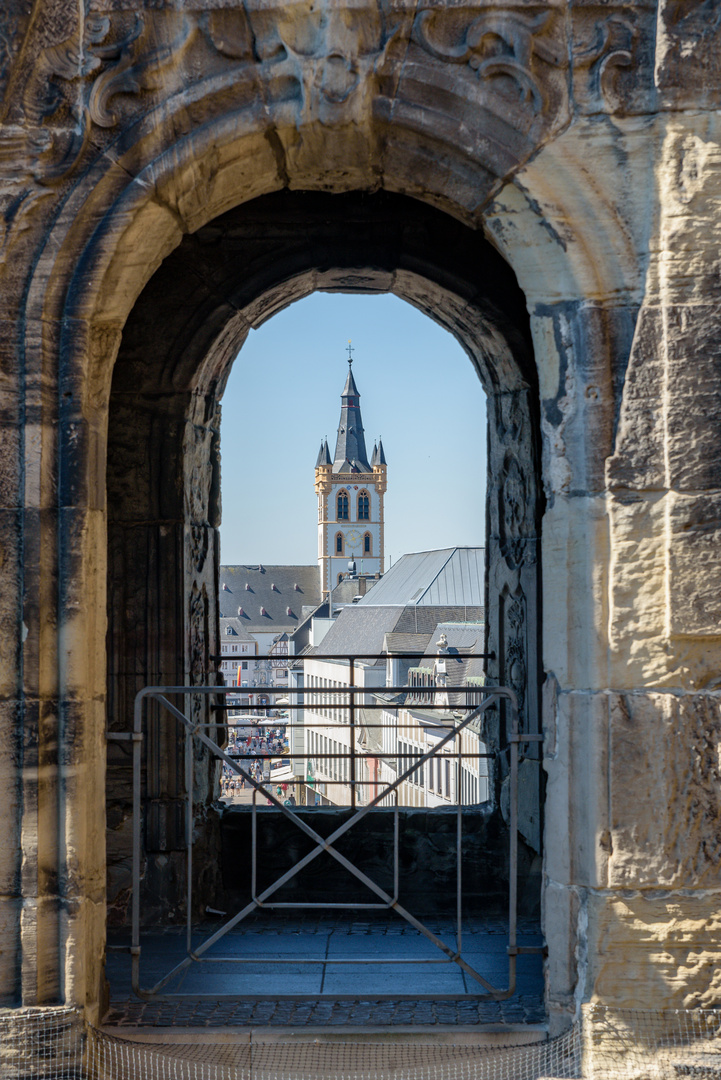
(518, 1010)
(526, 1007)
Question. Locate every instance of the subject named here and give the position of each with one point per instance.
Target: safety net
(56, 1044)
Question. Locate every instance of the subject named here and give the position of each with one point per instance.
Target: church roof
(350, 448)
(447, 577)
(323, 454)
(266, 593)
(379, 457)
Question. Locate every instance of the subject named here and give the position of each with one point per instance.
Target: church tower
(350, 493)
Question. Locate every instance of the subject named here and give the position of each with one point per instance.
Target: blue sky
(418, 391)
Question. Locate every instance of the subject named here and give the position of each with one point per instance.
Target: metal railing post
(351, 717)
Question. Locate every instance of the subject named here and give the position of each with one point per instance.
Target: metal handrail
(197, 730)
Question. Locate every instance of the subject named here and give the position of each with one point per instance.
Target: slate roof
(406, 643)
(350, 448)
(446, 577)
(251, 588)
(233, 629)
(359, 630)
(349, 587)
(424, 620)
(323, 454)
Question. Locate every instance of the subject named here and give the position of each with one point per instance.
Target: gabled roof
(233, 629)
(445, 577)
(359, 630)
(271, 588)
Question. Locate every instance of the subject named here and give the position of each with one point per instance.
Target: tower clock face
(353, 537)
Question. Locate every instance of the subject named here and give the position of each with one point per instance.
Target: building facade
(350, 492)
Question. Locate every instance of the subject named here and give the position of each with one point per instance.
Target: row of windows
(319, 702)
(363, 506)
(337, 768)
(340, 544)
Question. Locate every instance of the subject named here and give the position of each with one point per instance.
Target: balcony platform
(338, 996)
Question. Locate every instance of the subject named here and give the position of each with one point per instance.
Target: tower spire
(350, 448)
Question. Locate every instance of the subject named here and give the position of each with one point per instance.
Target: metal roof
(446, 577)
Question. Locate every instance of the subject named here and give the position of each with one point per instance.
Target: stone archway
(163, 479)
(582, 138)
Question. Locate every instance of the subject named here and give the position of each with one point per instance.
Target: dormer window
(342, 506)
(364, 504)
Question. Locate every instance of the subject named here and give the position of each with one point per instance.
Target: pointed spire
(350, 448)
(380, 454)
(323, 454)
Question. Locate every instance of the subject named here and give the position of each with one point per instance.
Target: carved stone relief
(503, 46)
(336, 65)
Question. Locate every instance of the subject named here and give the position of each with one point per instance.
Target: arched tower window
(364, 506)
(339, 543)
(367, 544)
(342, 514)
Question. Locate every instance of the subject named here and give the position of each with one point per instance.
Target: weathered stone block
(694, 570)
(665, 791)
(637, 584)
(654, 951)
(560, 914)
(581, 351)
(10, 949)
(638, 460)
(11, 757)
(688, 71)
(577, 841)
(692, 396)
(575, 591)
(11, 601)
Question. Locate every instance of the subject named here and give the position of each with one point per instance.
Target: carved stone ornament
(500, 46)
(513, 512)
(611, 48)
(516, 668)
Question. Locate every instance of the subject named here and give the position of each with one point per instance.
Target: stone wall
(427, 859)
(581, 141)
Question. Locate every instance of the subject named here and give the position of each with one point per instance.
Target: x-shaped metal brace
(323, 844)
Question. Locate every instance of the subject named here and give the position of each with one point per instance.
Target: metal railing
(239, 765)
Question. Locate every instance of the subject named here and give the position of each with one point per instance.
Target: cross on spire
(350, 351)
